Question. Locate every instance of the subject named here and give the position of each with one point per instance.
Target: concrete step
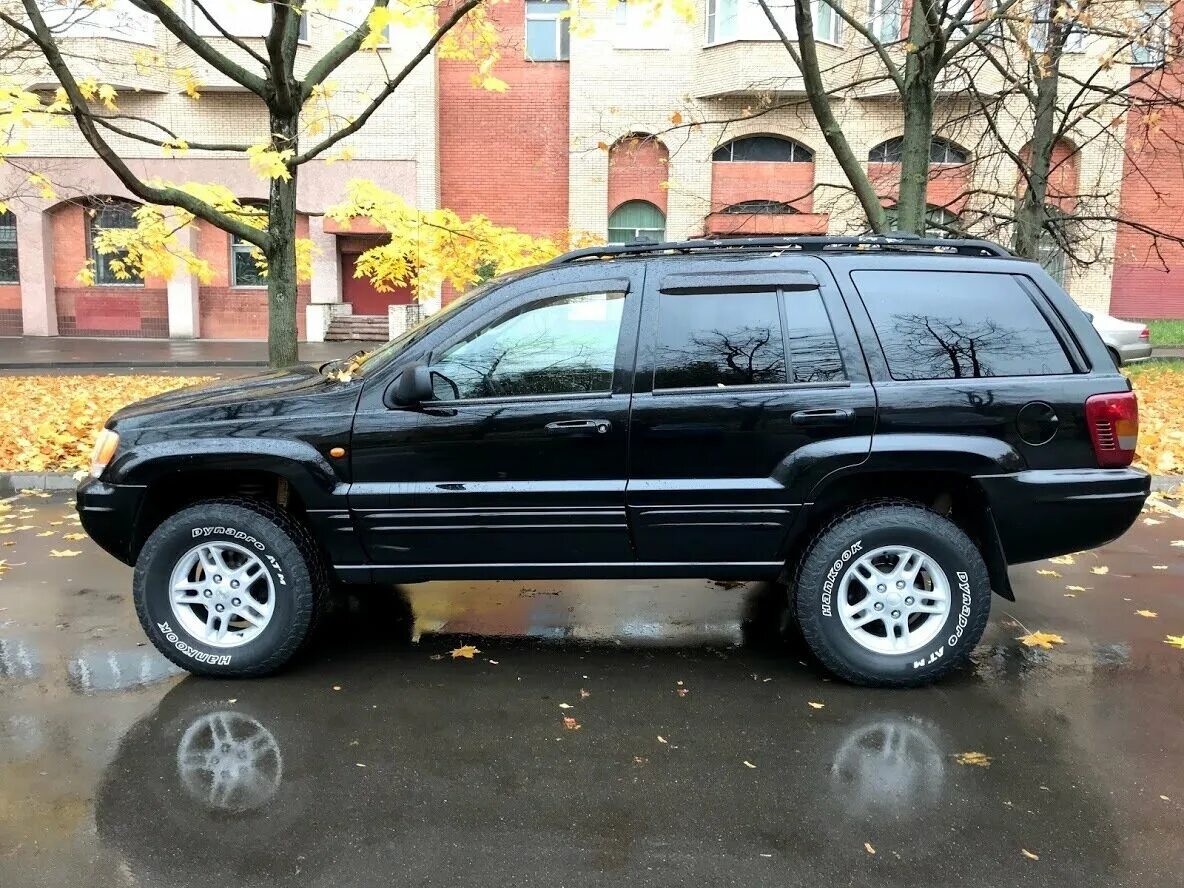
(358, 328)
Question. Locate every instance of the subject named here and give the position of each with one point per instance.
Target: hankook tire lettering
(192, 652)
(828, 586)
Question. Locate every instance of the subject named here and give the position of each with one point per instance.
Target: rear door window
(813, 351)
(958, 325)
(719, 340)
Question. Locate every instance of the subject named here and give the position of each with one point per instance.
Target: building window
(640, 26)
(941, 151)
(1151, 41)
(548, 38)
(884, 20)
(763, 148)
(9, 273)
(636, 221)
(939, 222)
(302, 28)
(111, 217)
(745, 20)
(759, 208)
(1043, 17)
(244, 269)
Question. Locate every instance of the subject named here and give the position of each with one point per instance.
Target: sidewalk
(61, 352)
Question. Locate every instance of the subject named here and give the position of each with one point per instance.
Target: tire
(289, 578)
(829, 577)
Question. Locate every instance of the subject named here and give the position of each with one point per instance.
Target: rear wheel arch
(950, 494)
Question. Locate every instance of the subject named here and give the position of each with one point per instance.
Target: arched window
(111, 215)
(759, 208)
(9, 273)
(763, 148)
(1050, 248)
(636, 221)
(939, 222)
(940, 151)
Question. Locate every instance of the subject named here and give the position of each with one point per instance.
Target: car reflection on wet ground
(604, 733)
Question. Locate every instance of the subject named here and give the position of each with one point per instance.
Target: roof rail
(896, 241)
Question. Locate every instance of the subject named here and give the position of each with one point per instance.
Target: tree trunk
(917, 105)
(281, 258)
(1030, 213)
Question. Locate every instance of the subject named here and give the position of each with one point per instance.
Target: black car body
(685, 410)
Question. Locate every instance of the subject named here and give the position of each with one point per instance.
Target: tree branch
(166, 195)
(181, 30)
(330, 61)
(241, 44)
(329, 141)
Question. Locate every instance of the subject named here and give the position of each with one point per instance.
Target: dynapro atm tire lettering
(959, 627)
(235, 534)
(828, 585)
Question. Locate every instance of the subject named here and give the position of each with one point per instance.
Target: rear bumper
(1134, 353)
(1045, 513)
(108, 513)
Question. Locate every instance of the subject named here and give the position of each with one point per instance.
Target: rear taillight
(1145, 334)
(1113, 427)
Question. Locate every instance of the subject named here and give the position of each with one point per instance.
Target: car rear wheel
(892, 595)
(230, 588)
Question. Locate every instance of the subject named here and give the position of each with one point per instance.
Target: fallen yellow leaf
(467, 651)
(570, 723)
(867, 846)
(1147, 613)
(73, 536)
(1048, 573)
(814, 705)
(1028, 854)
(46, 533)
(1075, 588)
(1153, 567)
(1063, 559)
(64, 553)
(1101, 570)
(1173, 640)
(978, 759)
(1041, 639)
(748, 764)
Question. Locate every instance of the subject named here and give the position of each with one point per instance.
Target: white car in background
(1128, 342)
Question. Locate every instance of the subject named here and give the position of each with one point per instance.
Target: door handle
(576, 426)
(823, 416)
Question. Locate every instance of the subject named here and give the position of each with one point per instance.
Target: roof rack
(896, 241)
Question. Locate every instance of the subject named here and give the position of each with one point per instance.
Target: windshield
(379, 356)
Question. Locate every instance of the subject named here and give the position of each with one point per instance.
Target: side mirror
(414, 386)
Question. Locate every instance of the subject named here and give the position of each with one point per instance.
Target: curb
(132, 365)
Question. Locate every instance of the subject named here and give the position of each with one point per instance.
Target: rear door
(749, 388)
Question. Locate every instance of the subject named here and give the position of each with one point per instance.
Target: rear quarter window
(958, 325)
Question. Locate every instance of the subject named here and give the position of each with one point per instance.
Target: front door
(520, 459)
(743, 401)
(365, 298)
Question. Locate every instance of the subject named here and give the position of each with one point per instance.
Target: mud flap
(996, 561)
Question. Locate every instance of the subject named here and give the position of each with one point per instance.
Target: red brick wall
(226, 312)
(1149, 275)
(947, 184)
(505, 154)
(11, 317)
(638, 169)
(792, 183)
(116, 310)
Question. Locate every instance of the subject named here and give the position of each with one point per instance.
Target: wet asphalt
(694, 756)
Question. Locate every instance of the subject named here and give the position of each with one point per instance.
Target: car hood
(241, 396)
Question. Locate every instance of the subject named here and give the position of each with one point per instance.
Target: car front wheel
(892, 595)
(229, 588)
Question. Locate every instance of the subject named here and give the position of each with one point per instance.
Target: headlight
(105, 447)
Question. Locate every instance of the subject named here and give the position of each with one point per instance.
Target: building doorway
(362, 295)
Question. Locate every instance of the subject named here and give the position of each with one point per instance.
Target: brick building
(630, 125)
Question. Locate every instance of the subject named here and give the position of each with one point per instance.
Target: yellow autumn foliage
(1160, 388)
(49, 423)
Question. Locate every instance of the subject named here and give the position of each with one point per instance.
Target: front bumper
(108, 513)
(1045, 513)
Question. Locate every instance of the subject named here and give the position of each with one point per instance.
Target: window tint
(813, 352)
(8, 265)
(560, 346)
(719, 339)
(952, 325)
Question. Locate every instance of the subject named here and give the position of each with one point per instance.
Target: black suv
(885, 423)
